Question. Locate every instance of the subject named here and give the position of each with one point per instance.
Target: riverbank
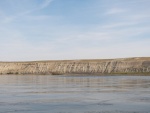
(122, 66)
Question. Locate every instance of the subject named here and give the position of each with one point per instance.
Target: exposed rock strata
(123, 66)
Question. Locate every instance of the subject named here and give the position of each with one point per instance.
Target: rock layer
(103, 66)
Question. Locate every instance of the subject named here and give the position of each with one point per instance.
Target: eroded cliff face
(124, 66)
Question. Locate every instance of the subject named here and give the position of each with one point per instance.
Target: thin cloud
(45, 4)
(139, 17)
(9, 19)
(39, 17)
(119, 24)
(115, 11)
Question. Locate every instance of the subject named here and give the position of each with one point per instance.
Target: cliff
(103, 66)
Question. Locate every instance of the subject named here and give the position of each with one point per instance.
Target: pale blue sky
(74, 29)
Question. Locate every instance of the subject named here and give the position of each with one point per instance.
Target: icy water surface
(74, 94)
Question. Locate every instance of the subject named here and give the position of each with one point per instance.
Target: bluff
(101, 66)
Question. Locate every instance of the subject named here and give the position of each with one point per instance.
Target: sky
(74, 29)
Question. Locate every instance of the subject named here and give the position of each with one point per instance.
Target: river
(74, 94)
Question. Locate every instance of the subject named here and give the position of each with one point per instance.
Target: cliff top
(85, 60)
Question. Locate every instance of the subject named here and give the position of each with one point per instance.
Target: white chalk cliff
(103, 66)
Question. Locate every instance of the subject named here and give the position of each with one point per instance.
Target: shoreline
(90, 74)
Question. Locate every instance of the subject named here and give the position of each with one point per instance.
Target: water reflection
(74, 94)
